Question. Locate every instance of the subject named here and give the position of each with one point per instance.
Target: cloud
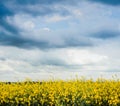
(47, 2)
(26, 2)
(29, 25)
(79, 42)
(37, 64)
(30, 29)
(60, 57)
(85, 57)
(53, 62)
(46, 29)
(22, 43)
(56, 18)
(106, 34)
(46, 37)
(30, 35)
(8, 27)
(108, 2)
(36, 7)
(79, 28)
(70, 2)
(4, 67)
(4, 12)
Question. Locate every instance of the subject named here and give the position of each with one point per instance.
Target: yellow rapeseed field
(61, 93)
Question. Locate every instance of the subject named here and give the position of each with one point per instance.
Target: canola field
(61, 93)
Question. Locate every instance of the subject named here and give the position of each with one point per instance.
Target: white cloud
(56, 18)
(22, 21)
(28, 25)
(81, 57)
(77, 12)
(76, 61)
(46, 29)
(5, 67)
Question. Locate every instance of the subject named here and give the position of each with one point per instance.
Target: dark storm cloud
(41, 8)
(70, 2)
(52, 61)
(10, 8)
(4, 12)
(48, 2)
(2, 59)
(20, 42)
(33, 2)
(36, 7)
(32, 7)
(8, 27)
(108, 2)
(78, 42)
(17, 41)
(106, 34)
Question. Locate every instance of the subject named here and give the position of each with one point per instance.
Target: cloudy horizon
(43, 39)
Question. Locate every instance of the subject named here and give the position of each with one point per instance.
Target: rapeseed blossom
(61, 93)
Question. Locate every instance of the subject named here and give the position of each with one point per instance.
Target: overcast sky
(42, 39)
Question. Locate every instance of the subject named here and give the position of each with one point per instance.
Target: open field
(79, 92)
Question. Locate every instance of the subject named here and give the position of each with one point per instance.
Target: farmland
(79, 92)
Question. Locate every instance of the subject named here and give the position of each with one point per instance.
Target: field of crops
(61, 93)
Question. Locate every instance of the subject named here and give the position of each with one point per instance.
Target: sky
(59, 39)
